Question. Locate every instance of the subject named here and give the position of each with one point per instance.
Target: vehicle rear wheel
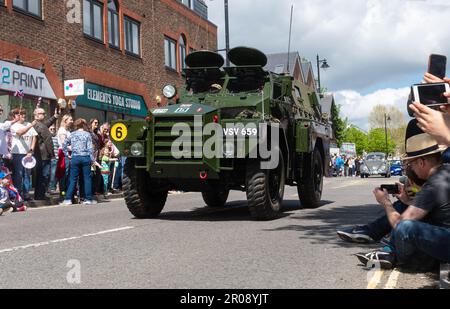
(265, 189)
(310, 187)
(141, 201)
(216, 197)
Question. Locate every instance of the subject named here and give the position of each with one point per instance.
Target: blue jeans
(80, 166)
(43, 178)
(53, 164)
(381, 226)
(421, 242)
(21, 176)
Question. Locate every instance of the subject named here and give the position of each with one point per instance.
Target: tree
(376, 142)
(376, 117)
(338, 124)
(396, 126)
(356, 136)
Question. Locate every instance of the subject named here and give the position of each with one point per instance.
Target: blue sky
(376, 48)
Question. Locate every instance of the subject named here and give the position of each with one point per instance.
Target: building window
(93, 19)
(32, 7)
(188, 3)
(2, 2)
(113, 23)
(182, 51)
(170, 52)
(132, 35)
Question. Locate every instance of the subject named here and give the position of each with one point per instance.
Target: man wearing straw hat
(421, 234)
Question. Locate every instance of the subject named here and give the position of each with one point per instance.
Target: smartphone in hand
(437, 65)
(391, 189)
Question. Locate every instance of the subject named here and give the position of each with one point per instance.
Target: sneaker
(21, 209)
(92, 202)
(386, 240)
(358, 234)
(66, 203)
(386, 260)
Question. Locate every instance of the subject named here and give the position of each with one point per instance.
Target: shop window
(113, 23)
(170, 53)
(32, 7)
(132, 36)
(182, 51)
(93, 19)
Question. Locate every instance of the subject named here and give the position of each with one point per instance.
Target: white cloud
(370, 44)
(357, 107)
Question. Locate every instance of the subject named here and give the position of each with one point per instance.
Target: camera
(391, 189)
(430, 94)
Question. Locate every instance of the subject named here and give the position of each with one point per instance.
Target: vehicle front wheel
(310, 187)
(265, 189)
(141, 200)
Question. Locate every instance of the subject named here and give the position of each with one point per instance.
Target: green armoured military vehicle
(210, 138)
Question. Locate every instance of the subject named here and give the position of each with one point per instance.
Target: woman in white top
(62, 135)
(64, 129)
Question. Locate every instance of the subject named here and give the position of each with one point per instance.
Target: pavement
(192, 246)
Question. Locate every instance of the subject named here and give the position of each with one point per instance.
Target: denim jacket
(81, 145)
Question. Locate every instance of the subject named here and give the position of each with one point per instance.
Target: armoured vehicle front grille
(163, 140)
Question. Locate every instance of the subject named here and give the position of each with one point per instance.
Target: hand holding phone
(431, 94)
(391, 189)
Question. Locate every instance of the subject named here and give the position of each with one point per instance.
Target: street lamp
(386, 119)
(323, 66)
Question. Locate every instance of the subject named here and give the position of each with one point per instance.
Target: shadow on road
(232, 211)
(320, 225)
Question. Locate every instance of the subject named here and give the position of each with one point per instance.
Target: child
(105, 157)
(5, 202)
(9, 196)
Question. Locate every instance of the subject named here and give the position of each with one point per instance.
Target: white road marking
(46, 243)
(393, 280)
(375, 279)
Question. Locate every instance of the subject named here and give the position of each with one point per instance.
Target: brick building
(124, 50)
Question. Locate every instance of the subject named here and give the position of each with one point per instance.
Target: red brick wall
(58, 43)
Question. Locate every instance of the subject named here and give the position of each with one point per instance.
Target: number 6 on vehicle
(119, 132)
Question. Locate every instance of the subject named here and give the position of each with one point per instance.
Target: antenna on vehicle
(289, 46)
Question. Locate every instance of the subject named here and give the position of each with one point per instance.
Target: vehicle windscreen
(375, 157)
(245, 79)
(200, 80)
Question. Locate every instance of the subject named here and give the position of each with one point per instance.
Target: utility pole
(386, 118)
(227, 33)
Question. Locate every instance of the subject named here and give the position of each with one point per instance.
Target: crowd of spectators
(55, 155)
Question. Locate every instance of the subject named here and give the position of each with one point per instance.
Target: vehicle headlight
(137, 149)
(228, 149)
(169, 91)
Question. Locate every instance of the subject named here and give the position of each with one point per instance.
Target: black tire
(140, 200)
(310, 187)
(362, 176)
(265, 189)
(215, 197)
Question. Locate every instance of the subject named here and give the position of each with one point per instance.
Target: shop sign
(109, 99)
(74, 87)
(33, 82)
